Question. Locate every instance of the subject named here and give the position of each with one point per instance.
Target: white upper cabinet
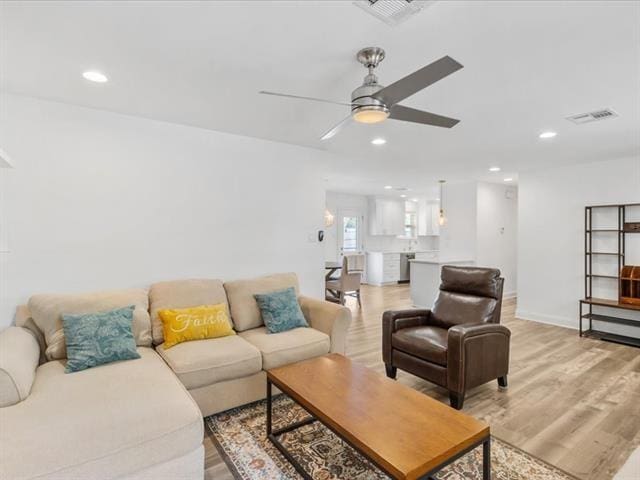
(428, 212)
(386, 216)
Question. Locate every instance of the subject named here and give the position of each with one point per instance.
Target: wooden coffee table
(407, 434)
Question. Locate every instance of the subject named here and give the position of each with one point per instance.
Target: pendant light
(442, 220)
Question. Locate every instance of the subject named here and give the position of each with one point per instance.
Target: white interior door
(350, 230)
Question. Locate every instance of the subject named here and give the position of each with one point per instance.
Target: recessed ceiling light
(437, 199)
(403, 196)
(494, 169)
(388, 187)
(378, 141)
(508, 179)
(414, 199)
(94, 76)
(547, 134)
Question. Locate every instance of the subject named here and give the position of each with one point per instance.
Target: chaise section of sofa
(111, 421)
(130, 420)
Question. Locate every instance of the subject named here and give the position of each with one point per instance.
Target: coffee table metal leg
(486, 459)
(272, 434)
(268, 407)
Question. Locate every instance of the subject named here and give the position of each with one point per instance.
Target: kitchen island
(387, 267)
(425, 279)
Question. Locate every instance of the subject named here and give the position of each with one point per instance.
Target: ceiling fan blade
(336, 128)
(299, 97)
(407, 114)
(407, 86)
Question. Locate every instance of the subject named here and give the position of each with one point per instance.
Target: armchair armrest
(19, 355)
(329, 318)
(476, 353)
(394, 320)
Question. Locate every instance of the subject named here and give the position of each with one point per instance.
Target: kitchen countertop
(438, 261)
(402, 251)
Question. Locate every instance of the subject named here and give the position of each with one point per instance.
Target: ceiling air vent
(594, 116)
(393, 12)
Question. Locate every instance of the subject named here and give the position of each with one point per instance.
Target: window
(350, 234)
(410, 225)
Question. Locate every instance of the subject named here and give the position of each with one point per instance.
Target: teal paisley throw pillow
(97, 338)
(280, 310)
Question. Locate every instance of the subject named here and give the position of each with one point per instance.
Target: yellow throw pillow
(195, 323)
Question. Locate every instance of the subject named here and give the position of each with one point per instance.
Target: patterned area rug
(240, 437)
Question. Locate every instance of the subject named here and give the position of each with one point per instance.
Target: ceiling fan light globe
(370, 114)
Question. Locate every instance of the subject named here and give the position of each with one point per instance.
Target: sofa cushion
(204, 362)
(105, 422)
(245, 313)
(46, 311)
(428, 343)
(282, 348)
(182, 294)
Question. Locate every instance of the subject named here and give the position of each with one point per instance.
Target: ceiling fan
(374, 103)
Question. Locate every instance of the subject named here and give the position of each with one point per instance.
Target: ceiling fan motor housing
(366, 106)
(364, 101)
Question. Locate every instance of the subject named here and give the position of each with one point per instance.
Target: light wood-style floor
(572, 402)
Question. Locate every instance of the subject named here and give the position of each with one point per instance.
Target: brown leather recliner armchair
(459, 344)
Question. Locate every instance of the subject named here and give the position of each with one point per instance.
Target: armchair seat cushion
(426, 342)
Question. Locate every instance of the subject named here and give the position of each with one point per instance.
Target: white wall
(337, 202)
(551, 235)
(482, 226)
(497, 230)
(100, 200)
(458, 235)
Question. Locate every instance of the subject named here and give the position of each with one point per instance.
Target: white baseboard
(548, 319)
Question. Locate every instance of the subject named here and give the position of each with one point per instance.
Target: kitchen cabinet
(386, 216)
(383, 268)
(428, 212)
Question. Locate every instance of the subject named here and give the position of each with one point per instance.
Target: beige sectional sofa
(142, 419)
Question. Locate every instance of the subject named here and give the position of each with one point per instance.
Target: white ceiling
(527, 66)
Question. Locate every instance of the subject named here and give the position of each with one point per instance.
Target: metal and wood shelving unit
(589, 302)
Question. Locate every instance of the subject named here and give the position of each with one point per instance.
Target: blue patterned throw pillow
(280, 310)
(97, 338)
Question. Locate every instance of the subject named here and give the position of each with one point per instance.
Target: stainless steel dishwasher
(405, 266)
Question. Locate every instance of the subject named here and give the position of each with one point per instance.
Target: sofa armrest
(394, 320)
(476, 353)
(19, 355)
(25, 320)
(329, 318)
